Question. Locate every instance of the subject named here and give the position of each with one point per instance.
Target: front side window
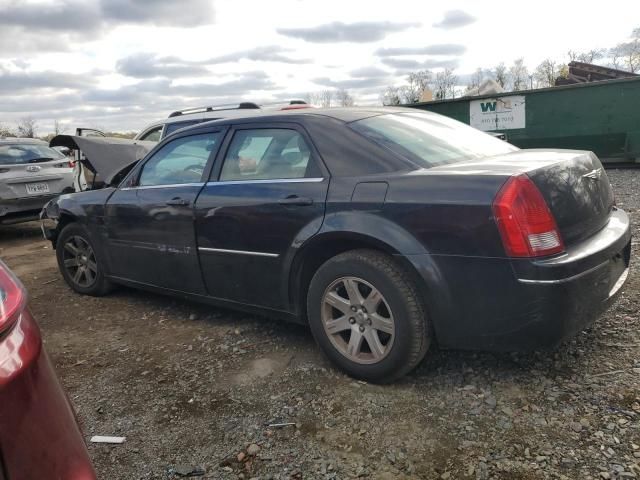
(430, 140)
(265, 154)
(20, 153)
(180, 161)
(152, 135)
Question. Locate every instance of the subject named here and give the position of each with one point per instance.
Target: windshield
(430, 140)
(19, 153)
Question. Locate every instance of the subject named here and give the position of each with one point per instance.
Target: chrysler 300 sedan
(384, 229)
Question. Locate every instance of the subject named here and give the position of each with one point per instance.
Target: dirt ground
(192, 386)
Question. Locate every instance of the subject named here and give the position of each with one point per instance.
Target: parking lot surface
(194, 387)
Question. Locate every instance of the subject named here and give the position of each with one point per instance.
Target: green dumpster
(600, 116)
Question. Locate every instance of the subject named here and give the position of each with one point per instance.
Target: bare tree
(627, 54)
(615, 56)
(445, 84)
(476, 79)
(391, 96)
(312, 98)
(563, 71)
(344, 98)
(6, 131)
(589, 56)
(326, 98)
(519, 75)
(501, 75)
(592, 55)
(27, 127)
(58, 128)
(546, 73)
(417, 83)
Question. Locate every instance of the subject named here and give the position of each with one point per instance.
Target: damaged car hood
(105, 156)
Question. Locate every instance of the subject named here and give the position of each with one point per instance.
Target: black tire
(77, 233)
(411, 336)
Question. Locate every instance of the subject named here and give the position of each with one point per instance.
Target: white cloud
(120, 64)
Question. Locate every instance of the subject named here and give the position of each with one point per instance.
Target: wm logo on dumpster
(488, 106)
(498, 113)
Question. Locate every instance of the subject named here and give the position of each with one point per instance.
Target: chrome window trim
(267, 180)
(238, 252)
(172, 185)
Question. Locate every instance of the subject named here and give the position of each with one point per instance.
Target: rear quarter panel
(447, 214)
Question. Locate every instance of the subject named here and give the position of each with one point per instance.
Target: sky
(121, 64)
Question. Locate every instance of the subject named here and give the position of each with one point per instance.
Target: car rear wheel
(367, 316)
(79, 263)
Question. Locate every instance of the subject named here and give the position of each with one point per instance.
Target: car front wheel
(367, 316)
(79, 263)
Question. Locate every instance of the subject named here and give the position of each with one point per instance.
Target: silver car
(31, 173)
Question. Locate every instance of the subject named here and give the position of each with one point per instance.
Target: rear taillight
(69, 164)
(526, 224)
(13, 297)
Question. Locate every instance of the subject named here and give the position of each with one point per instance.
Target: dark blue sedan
(384, 229)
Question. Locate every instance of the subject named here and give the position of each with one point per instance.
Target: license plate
(37, 188)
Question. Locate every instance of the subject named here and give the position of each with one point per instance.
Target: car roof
(28, 141)
(343, 114)
(202, 114)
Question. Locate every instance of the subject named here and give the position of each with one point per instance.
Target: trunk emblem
(593, 174)
(33, 168)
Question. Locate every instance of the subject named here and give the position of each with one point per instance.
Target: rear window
(19, 153)
(430, 140)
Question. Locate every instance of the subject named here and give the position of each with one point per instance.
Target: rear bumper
(509, 305)
(39, 436)
(22, 209)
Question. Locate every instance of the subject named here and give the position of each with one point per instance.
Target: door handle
(178, 202)
(295, 200)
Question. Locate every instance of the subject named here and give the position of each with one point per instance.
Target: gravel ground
(191, 386)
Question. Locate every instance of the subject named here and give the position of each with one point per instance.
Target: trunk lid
(32, 179)
(573, 183)
(578, 193)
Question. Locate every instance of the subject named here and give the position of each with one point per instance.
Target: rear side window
(152, 135)
(180, 161)
(264, 154)
(430, 140)
(17, 154)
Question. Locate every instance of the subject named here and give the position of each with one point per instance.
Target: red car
(39, 435)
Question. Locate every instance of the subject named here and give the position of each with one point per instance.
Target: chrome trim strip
(238, 252)
(566, 279)
(273, 180)
(173, 185)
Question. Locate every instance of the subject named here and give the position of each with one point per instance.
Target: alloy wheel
(80, 261)
(358, 320)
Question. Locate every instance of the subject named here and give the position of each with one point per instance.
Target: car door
(266, 198)
(150, 219)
